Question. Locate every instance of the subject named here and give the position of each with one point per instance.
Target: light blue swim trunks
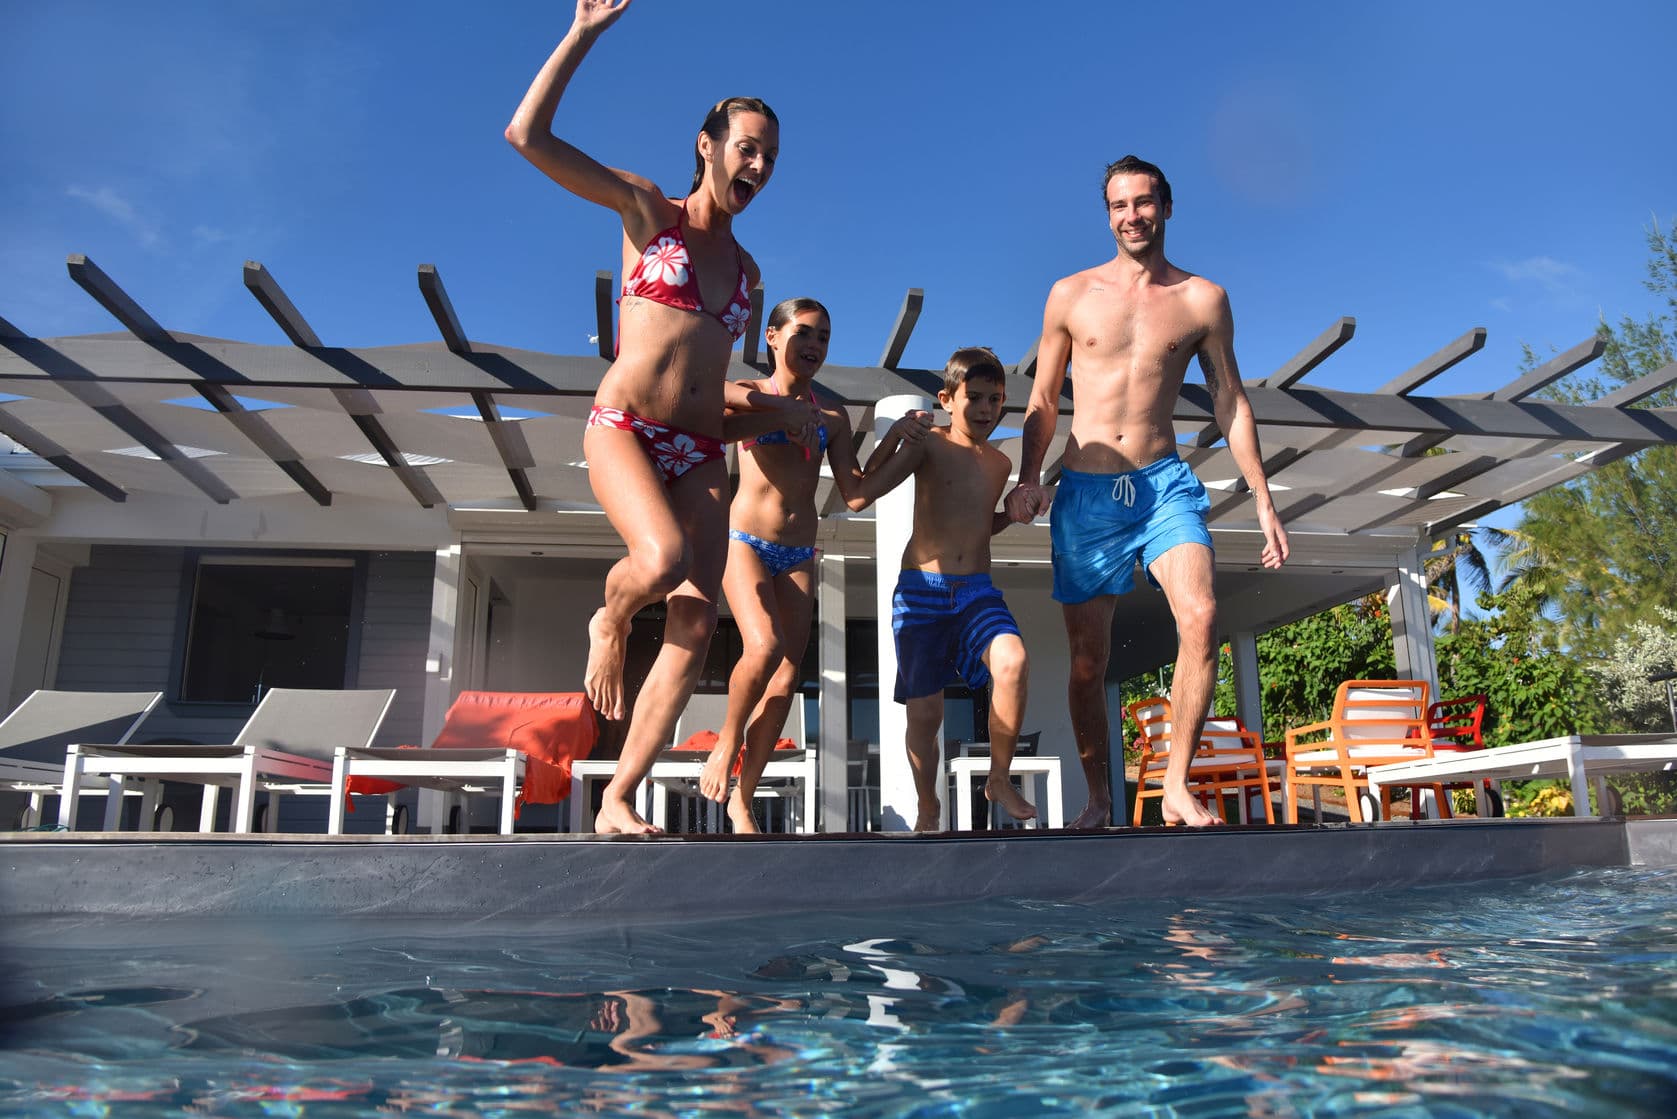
(1101, 524)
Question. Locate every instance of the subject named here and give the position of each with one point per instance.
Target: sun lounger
(1580, 758)
(36, 737)
(518, 745)
(286, 746)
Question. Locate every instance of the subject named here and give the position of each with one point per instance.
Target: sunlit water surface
(1555, 996)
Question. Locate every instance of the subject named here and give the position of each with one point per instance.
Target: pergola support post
(835, 745)
(893, 525)
(1406, 595)
(1248, 689)
(440, 656)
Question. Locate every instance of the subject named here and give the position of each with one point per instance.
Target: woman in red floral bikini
(654, 437)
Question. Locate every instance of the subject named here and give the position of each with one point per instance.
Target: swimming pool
(1551, 996)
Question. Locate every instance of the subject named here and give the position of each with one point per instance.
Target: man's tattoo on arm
(1210, 373)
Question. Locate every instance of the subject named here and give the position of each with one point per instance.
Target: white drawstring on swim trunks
(1126, 484)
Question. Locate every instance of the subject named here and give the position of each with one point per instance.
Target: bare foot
(739, 815)
(617, 818)
(1097, 814)
(719, 767)
(603, 678)
(1179, 806)
(1000, 790)
(928, 820)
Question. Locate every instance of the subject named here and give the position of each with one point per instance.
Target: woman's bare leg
(701, 503)
(751, 592)
(641, 509)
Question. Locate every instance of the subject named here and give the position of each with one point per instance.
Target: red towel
(552, 729)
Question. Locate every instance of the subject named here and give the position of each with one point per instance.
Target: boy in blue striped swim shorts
(948, 618)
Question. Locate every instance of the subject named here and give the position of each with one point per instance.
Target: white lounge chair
(286, 746)
(36, 737)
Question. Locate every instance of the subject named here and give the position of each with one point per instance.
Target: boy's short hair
(970, 362)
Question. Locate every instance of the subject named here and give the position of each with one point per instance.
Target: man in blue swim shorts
(1127, 329)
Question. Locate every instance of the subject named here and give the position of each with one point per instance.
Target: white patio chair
(286, 746)
(36, 737)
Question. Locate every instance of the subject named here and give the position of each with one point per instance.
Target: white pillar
(1248, 689)
(440, 656)
(1406, 596)
(893, 525)
(834, 703)
(16, 562)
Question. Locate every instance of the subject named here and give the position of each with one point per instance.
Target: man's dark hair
(1135, 165)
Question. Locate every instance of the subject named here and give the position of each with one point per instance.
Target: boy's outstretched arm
(897, 455)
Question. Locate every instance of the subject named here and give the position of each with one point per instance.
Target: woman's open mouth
(743, 190)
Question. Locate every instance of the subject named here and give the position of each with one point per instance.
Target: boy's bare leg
(925, 717)
(700, 501)
(643, 512)
(1184, 573)
(1089, 635)
(1009, 674)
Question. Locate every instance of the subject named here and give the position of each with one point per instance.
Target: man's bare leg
(1089, 635)
(1009, 676)
(1184, 573)
(925, 716)
(642, 511)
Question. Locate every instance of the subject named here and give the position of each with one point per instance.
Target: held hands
(594, 16)
(912, 427)
(802, 422)
(1027, 502)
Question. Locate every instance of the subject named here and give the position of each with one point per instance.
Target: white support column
(893, 525)
(15, 565)
(1406, 595)
(440, 656)
(834, 704)
(1248, 689)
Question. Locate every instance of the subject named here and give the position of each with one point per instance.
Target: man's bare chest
(1104, 324)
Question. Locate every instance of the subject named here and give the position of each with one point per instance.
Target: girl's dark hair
(787, 310)
(717, 122)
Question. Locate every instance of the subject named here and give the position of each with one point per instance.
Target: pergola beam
(261, 283)
(1027, 364)
(442, 310)
(1520, 388)
(754, 326)
(38, 444)
(907, 316)
(602, 316)
(91, 279)
(1435, 363)
(1294, 368)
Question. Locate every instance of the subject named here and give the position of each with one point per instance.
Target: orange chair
(1229, 759)
(1375, 722)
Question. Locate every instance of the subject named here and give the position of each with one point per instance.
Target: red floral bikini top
(665, 274)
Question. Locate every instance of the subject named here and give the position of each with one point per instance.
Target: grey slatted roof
(465, 423)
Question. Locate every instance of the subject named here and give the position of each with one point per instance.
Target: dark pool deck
(98, 874)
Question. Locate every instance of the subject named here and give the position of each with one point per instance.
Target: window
(260, 622)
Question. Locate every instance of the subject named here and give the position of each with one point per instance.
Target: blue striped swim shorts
(944, 625)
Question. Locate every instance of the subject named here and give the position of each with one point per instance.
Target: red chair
(1456, 726)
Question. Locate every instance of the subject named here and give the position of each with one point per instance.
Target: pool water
(1553, 996)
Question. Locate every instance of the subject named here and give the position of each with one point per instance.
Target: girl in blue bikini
(654, 439)
(770, 577)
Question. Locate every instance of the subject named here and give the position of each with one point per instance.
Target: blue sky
(1426, 168)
